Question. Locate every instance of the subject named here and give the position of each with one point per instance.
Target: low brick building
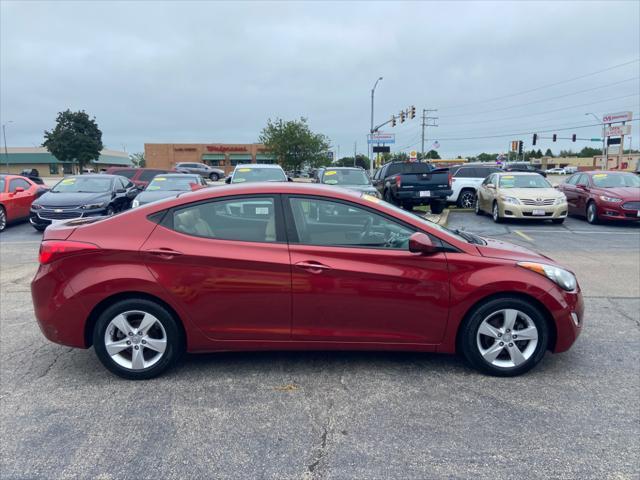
(222, 155)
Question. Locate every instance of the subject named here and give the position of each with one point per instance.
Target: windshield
(345, 177)
(404, 214)
(523, 181)
(246, 174)
(612, 180)
(1, 185)
(83, 185)
(178, 184)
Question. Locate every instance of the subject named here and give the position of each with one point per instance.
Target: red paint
(233, 295)
(17, 204)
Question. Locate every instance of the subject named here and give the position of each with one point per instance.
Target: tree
(400, 157)
(361, 161)
(138, 159)
(293, 143)
(548, 153)
(432, 154)
(76, 138)
(587, 152)
(539, 154)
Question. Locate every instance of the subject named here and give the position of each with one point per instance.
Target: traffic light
(514, 145)
(535, 138)
(412, 112)
(393, 120)
(573, 137)
(555, 137)
(520, 144)
(402, 117)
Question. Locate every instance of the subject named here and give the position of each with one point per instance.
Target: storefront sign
(617, 117)
(617, 131)
(224, 148)
(184, 149)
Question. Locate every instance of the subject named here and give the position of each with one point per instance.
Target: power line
(541, 100)
(543, 86)
(549, 111)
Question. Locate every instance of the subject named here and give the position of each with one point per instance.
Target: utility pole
(355, 148)
(425, 124)
(4, 135)
(373, 91)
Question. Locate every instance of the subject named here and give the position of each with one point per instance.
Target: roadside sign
(413, 156)
(381, 149)
(617, 117)
(384, 138)
(617, 130)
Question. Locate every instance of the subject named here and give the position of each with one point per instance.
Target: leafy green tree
(400, 157)
(294, 144)
(138, 159)
(548, 153)
(567, 153)
(589, 152)
(76, 138)
(361, 161)
(432, 155)
(539, 154)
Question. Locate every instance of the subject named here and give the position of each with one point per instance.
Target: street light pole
(604, 140)
(373, 91)
(4, 135)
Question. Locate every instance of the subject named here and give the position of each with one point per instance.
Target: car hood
(60, 199)
(509, 251)
(148, 197)
(532, 193)
(625, 193)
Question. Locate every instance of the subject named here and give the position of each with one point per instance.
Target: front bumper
(567, 310)
(44, 217)
(532, 212)
(618, 211)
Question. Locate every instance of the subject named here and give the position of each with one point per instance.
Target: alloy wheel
(467, 200)
(495, 213)
(3, 219)
(135, 340)
(592, 214)
(507, 338)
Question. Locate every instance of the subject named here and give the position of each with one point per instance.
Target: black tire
(214, 177)
(592, 214)
(495, 213)
(388, 197)
(174, 338)
(39, 228)
(466, 198)
(437, 207)
(468, 342)
(3, 219)
(408, 206)
(110, 211)
(477, 208)
(558, 221)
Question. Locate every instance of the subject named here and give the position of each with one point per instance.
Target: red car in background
(140, 177)
(286, 266)
(603, 195)
(17, 193)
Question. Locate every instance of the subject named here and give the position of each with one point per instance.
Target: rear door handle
(313, 267)
(164, 252)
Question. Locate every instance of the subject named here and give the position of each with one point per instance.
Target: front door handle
(167, 253)
(313, 267)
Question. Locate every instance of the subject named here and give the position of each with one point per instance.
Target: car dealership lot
(336, 415)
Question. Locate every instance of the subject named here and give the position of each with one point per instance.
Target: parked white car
(556, 171)
(465, 182)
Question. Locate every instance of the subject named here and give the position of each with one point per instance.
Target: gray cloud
(211, 71)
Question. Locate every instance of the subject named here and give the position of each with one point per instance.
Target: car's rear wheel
(504, 337)
(3, 219)
(137, 339)
(437, 207)
(467, 199)
(388, 197)
(495, 213)
(592, 213)
(214, 177)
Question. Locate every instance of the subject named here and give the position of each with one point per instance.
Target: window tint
(147, 175)
(393, 169)
(18, 182)
(489, 179)
(572, 180)
(329, 223)
(583, 180)
(128, 173)
(243, 219)
(482, 172)
(465, 172)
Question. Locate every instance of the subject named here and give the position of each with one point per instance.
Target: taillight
(51, 250)
(398, 181)
(450, 178)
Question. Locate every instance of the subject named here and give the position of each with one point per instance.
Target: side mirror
(582, 187)
(289, 179)
(422, 244)
(555, 185)
(195, 186)
(121, 190)
(19, 189)
(490, 185)
(227, 180)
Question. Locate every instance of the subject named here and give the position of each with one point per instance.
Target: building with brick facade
(221, 155)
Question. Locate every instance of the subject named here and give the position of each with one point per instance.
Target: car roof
(519, 174)
(343, 168)
(594, 172)
(95, 175)
(179, 175)
(258, 165)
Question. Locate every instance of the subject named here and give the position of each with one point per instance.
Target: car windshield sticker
(331, 181)
(370, 198)
(600, 175)
(262, 211)
(330, 172)
(159, 179)
(239, 180)
(244, 170)
(68, 181)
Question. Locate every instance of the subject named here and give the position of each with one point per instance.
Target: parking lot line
(525, 236)
(577, 231)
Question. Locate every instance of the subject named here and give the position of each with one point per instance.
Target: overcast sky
(215, 72)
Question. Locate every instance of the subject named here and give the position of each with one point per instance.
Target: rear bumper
(414, 195)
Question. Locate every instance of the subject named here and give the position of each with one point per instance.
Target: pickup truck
(408, 184)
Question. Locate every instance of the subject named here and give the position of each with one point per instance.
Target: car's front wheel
(592, 213)
(137, 339)
(495, 213)
(3, 219)
(214, 177)
(504, 337)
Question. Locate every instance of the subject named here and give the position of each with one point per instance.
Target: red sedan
(293, 266)
(16, 196)
(603, 195)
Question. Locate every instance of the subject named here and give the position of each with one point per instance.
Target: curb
(444, 218)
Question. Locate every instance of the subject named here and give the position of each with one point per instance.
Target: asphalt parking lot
(336, 415)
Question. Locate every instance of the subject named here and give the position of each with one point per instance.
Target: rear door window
(125, 172)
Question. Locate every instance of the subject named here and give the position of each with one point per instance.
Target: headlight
(512, 200)
(563, 278)
(610, 199)
(35, 206)
(374, 193)
(93, 206)
(561, 200)
(135, 203)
